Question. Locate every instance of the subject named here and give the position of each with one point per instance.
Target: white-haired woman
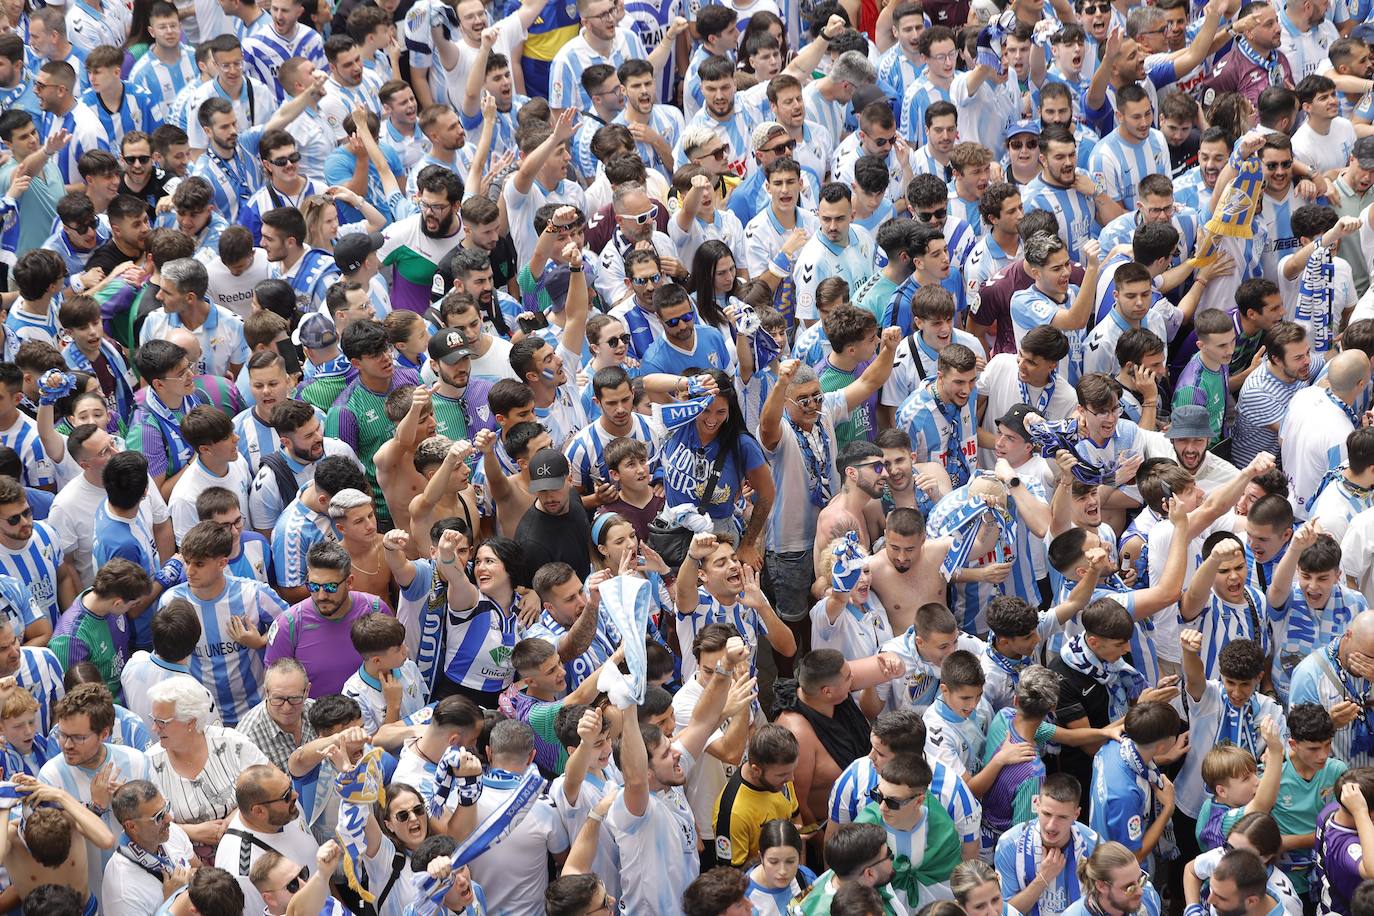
(355, 518)
(196, 764)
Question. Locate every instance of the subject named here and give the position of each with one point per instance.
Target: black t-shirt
(152, 192)
(556, 538)
(107, 256)
(1184, 156)
(1080, 697)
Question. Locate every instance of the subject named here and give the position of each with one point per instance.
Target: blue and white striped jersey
(135, 112)
(565, 81)
(268, 197)
(479, 643)
(1300, 630)
(966, 210)
(162, 81)
(233, 672)
(40, 673)
(821, 258)
(831, 115)
(1221, 622)
(20, 607)
(253, 106)
(897, 72)
(745, 620)
(90, 25)
(35, 564)
(298, 528)
(1117, 164)
(24, 438)
(1075, 211)
(339, 100)
(602, 647)
(937, 437)
(586, 451)
(668, 122)
(44, 328)
(265, 51)
(88, 133)
(919, 96)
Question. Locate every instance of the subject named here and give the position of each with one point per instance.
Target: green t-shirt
(863, 420)
(373, 430)
(449, 418)
(877, 296)
(1299, 802)
(1021, 809)
(1210, 390)
(323, 390)
(83, 636)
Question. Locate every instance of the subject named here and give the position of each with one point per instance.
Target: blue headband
(599, 525)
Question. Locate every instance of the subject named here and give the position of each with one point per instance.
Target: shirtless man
(857, 507)
(396, 473)
(355, 519)
(511, 494)
(825, 680)
(906, 572)
(44, 851)
(447, 494)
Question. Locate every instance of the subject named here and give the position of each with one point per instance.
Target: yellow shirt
(740, 813)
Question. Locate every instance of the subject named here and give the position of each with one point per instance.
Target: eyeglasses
(162, 723)
(930, 216)
(285, 160)
(617, 339)
(782, 148)
(642, 218)
(895, 804)
(295, 883)
(160, 817)
(435, 208)
(234, 523)
(1107, 414)
(18, 517)
(64, 738)
(188, 372)
(1158, 31)
(279, 702)
(644, 281)
(674, 322)
(618, 90)
(886, 857)
(608, 15)
(328, 588)
(1276, 166)
(1023, 144)
(1141, 880)
(138, 160)
(82, 229)
(405, 814)
(808, 400)
(945, 56)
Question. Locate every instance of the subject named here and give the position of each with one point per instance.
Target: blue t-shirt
(710, 353)
(686, 466)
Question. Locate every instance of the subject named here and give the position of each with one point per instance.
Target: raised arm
(809, 57)
(770, 418)
(685, 586)
(1169, 588)
(579, 636)
(563, 129)
(1268, 792)
(292, 108)
(1281, 586)
(477, 72)
(634, 764)
(875, 376)
(1194, 677)
(1191, 57)
(1078, 315)
(310, 899)
(582, 855)
(1200, 588)
(462, 594)
(710, 708)
(577, 304)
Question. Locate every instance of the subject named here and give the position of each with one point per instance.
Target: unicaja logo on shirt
(501, 655)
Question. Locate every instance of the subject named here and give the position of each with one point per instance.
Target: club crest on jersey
(1134, 828)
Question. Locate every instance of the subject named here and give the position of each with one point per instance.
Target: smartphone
(538, 322)
(288, 353)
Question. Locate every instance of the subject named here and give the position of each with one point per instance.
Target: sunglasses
(718, 154)
(18, 517)
(295, 883)
(1023, 144)
(894, 804)
(617, 339)
(786, 146)
(808, 400)
(1092, 9)
(81, 229)
(931, 215)
(883, 142)
(285, 160)
(670, 322)
(138, 160)
(328, 588)
(642, 281)
(1275, 166)
(641, 218)
(405, 814)
(161, 817)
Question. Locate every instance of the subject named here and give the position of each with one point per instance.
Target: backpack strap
(285, 477)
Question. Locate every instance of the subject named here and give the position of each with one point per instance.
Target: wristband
(597, 818)
(95, 809)
(574, 270)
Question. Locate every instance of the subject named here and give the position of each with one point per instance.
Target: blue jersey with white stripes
(1074, 210)
(1032, 307)
(135, 112)
(161, 81)
(1300, 630)
(897, 73)
(40, 673)
(265, 51)
(298, 528)
(586, 451)
(919, 96)
(1118, 164)
(602, 647)
(35, 564)
(23, 438)
(233, 672)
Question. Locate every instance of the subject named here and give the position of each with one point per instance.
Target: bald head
(1349, 373)
(1362, 633)
(253, 784)
(187, 341)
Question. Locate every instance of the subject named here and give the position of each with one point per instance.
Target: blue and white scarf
(1028, 868)
(628, 600)
(179, 451)
(1123, 682)
(963, 522)
(817, 466)
(1316, 294)
(124, 380)
(1052, 437)
(506, 817)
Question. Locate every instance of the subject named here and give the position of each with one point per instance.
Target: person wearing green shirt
(1307, 786)
(853, 335)
(31, 180)
(94, 628)
(1204, 381)
(857, 854)
(895, 238)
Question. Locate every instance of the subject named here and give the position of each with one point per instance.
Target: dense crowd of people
(634, 456)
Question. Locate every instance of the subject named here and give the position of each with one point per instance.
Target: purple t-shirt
(1338, 862)
(322, 646)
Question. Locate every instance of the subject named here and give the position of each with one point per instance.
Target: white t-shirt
(1312, 428)
(1324, 153)
(293, 842)
(494, 365)
(706, 781)
(73, 518)
(128, 890)
(1000, 386)
(196, 480)
(1160, 537)
(236, 293)
(658, 852)
(513, 871)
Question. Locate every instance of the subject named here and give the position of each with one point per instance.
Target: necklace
(375, 551)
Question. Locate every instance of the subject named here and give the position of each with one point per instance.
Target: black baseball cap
(548, 470)
(449, 347)
(351, 250)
